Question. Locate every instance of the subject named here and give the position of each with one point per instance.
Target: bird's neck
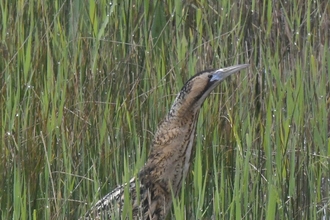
(183, 106)
(172, 149)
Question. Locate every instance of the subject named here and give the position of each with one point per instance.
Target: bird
(152, 190)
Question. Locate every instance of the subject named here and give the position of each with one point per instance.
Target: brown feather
(171, 151)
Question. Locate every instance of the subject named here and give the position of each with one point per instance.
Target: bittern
(171, 151)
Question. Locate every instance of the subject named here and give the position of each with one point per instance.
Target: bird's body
(171, 151)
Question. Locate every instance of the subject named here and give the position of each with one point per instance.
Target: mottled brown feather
(170, 156)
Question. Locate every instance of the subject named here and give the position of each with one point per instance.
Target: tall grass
(84, 84)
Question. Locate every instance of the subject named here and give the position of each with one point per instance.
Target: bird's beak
(221, 74)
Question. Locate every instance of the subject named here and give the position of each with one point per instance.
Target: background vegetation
(83, 85)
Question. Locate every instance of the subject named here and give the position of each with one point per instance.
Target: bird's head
(198, 87)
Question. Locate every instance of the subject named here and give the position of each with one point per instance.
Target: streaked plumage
(171, 151)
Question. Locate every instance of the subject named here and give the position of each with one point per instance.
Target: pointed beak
(221, 74)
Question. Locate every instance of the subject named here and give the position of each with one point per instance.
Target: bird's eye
(210, 76)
